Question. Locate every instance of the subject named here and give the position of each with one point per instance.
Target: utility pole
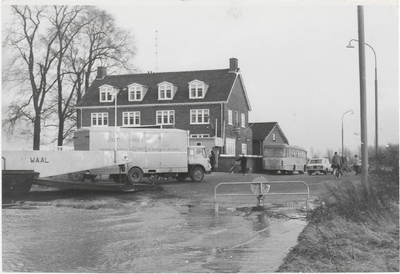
(363, 99)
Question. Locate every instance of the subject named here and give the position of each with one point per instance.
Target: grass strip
(354, 230)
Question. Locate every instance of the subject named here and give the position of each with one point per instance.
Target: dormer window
(197, 89)
(136, 92)
(166, 91)
(107, 93)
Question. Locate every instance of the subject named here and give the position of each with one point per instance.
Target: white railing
(260, 188)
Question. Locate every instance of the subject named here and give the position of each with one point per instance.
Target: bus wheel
(135, 175)
(197, 174)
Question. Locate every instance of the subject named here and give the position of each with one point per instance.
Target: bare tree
(98, 42)
(30, 67)
(55, 52)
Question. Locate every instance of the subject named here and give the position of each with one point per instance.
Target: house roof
(220, 84)
(262, 130)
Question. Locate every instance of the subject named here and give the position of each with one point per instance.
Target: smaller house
(270, 132)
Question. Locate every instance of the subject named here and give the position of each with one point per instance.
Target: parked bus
(284, 158)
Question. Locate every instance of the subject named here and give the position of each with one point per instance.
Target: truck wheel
(197, 174)
(135, 175)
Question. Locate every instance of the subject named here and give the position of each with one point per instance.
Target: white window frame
(243, 120)
(244, 148)
(165, 114)
(129, 115)
(99, 116)
(199, 116)
(230, 146)
(108, 93)
(194, 89)
(135, 93)
(230, 117)
(237, 118)
(199, 135)
(162, 91)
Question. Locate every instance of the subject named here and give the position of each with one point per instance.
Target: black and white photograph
(197, 136)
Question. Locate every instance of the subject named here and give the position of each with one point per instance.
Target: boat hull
(17, 182)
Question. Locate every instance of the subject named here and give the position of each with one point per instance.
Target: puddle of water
(138, 234)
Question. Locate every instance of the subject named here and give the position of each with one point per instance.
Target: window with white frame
(199, 116)
(243, 120)
(165, 117)
(196, 90)
(236, 119)
(165, 91)
(106, 94)
(273, 137)
(99, 119)
(199, 135)
(135, 93)
(244, 148)
(230, 146)
(230, 117)
(131, 118)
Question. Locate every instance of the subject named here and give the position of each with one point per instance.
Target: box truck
(155, 153)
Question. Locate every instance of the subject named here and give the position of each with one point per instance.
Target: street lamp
(115, 93)
(342, 131)
(376, 98)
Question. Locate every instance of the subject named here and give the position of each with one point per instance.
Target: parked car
(320, 165)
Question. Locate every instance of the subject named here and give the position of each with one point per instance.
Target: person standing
(336, 162)
(212, 160)
(357, 165)
(243, 164)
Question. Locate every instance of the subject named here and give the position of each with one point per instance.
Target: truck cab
(198, 163)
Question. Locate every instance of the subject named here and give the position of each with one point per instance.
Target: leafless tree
(55, 50)
(30, 67)
(99, 42)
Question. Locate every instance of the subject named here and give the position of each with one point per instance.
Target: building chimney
(233, 64)
(101, 72)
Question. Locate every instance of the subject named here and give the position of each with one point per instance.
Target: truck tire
(197, 174)
(135, 175)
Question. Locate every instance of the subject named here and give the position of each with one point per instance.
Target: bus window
(279, 152)
(268, 152)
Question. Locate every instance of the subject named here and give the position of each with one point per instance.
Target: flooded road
(139, 232)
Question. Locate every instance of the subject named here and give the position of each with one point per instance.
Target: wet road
(170, 230)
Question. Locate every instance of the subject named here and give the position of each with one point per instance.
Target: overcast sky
(296, 68)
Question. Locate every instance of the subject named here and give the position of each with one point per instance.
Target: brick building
(211, 104)
(270, 132)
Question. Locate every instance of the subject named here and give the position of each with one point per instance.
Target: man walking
(337, 162)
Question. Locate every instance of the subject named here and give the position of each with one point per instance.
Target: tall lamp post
(115, 93)
(343, 131)
(376, 98)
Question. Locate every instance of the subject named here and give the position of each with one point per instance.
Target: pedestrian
(336, 162)
(243, 164)
(357, 165)
(212, 160)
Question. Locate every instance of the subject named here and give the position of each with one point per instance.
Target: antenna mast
(156, 52)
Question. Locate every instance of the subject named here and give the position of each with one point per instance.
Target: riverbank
(354, 231)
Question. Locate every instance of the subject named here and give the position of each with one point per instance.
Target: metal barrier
(260, 188)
